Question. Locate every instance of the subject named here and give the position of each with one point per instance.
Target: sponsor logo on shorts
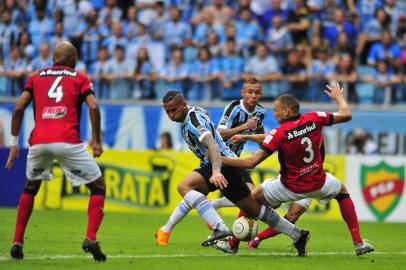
(54, 112)
(382, 187)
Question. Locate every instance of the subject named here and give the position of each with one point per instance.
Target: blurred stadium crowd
(205, 48)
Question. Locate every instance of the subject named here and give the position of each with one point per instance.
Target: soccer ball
(245, 228)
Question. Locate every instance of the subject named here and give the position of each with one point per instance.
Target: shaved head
(65, 54)
(289, 101)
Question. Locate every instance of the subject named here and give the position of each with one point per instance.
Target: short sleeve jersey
(58, 93)
(298, 141)
(234, 115)
(195, 127)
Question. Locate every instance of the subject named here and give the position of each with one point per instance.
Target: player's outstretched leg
(95, 217)
(296, 209)
(94, 248)
(163, 233)
(25, 206)
(188, 188)
(207, 212)
(349, 215)
(300, 237)
(269, 216)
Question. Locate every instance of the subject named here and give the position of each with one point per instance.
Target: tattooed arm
(247, 162)
(217, 178)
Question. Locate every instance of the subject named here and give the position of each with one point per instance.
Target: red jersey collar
(295, 117)
(62, 66)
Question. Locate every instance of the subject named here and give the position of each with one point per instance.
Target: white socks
(177, 215)
(222, 202)
(199, 202)
(273, 219)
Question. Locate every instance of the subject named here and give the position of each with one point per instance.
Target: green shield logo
(382, 187)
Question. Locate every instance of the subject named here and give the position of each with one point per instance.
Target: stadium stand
(205, 48)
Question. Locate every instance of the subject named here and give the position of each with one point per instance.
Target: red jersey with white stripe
(299, 142)
(58, 93)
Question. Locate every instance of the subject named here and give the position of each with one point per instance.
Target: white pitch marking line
(180, 255)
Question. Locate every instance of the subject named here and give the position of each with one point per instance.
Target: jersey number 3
(56, 90)
(309, 150)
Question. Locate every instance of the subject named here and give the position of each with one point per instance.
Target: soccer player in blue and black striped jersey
(244, 116)
(201, 136)
(241, 117)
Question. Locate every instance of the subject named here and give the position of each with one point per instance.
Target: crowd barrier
(138, 127)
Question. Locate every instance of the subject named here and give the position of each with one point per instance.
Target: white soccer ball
(245, 228)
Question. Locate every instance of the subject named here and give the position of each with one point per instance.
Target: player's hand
(237, 138)
(97, 149)
(13, 154)
(218, 180)
(251, 123)
(334, 90)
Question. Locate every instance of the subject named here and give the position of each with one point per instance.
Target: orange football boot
(162, 238)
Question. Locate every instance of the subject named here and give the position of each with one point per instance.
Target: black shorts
(237, 178)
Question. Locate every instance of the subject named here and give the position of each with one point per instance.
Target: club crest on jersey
(382, 187)
(54, 112)
(201, 129)
(268, 138)
(224, 121)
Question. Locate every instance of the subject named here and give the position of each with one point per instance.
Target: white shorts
(305, 202)
(276, 193)
(76, 162)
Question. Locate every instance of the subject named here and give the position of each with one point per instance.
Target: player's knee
(251, 207)
(31, 191)
(292, 217)
(343, 189)
(183, 188)
(97, 187)
(342, 196)
(32, 187)
(258, 195)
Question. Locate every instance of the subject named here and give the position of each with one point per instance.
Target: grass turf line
(53, 241)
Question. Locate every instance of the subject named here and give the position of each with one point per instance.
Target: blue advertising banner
(12, 181)
(139, 127)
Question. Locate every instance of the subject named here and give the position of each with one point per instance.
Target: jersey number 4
(56, 90)
(309, 149)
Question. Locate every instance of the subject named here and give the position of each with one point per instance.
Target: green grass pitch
(53, 241)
